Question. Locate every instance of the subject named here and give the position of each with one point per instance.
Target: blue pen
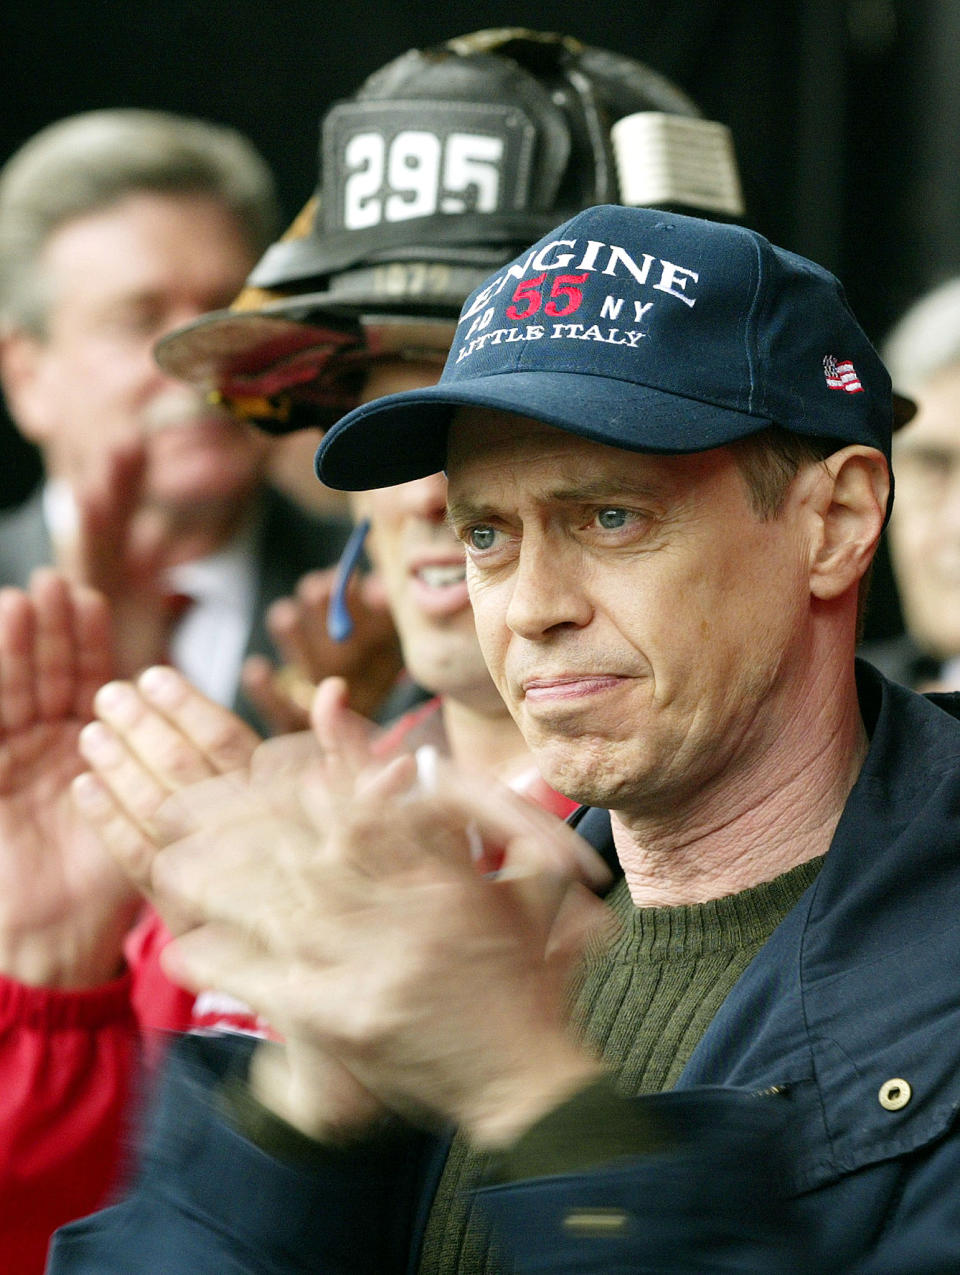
(339, 619)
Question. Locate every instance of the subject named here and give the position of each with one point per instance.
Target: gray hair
(926, 339)
(89, 162)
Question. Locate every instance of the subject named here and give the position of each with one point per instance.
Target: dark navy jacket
(815, 1123)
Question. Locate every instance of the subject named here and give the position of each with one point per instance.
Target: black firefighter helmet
(446, 163)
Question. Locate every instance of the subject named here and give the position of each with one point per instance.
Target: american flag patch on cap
(840, 375)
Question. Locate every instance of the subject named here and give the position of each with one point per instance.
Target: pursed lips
(568, 685)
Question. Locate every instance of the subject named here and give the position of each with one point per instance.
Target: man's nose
(549, 590)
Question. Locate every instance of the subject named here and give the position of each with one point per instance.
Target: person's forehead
(143, 236)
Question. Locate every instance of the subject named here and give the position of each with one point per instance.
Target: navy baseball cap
(643, 330)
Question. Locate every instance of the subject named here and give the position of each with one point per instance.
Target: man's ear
(852, 504)
(22, 375)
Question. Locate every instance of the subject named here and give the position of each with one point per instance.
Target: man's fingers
(254, 872)
(156, 738)
(580, 920)
(95, 651)
(130, 843)
(317, 1002)
(369, 611)
(127, 841)
(221, 958)
(267, 787)
(105, 507)
(172, 730)
(286, 756)
(345, 738)
(285, 625)
(56, 649)
(17, 691)
(54, 645)
(532, 840)
(134, 786)
(207, 804)
(369, 658)
(225, 740)
(550, 846)
(143, 739)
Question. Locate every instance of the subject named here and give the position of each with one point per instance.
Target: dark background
(845, 113)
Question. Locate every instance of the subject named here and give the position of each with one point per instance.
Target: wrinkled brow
(590, 491)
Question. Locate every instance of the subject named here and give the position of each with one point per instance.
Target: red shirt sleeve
(71, 1088)
(68, 1067)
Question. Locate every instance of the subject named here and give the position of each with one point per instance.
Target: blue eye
(481, 538)
(612, 519)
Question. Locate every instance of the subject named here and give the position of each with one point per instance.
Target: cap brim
(404, 436)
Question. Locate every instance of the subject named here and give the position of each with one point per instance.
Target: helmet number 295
(416, 173)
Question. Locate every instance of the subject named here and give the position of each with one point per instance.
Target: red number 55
(528, 291)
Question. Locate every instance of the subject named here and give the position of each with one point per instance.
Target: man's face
(422, 567)
(924, 530)
(118, 279)
(644, 626)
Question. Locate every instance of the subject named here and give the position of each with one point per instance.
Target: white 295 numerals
(419, 174)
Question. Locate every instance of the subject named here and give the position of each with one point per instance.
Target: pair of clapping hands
(338, 896)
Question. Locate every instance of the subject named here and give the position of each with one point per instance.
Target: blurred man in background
(116, 226)
(923, 355)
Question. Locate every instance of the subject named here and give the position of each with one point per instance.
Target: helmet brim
(300, 347)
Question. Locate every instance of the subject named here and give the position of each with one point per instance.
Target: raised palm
(64, 906)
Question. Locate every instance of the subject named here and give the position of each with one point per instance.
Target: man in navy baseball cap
(667, 447)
